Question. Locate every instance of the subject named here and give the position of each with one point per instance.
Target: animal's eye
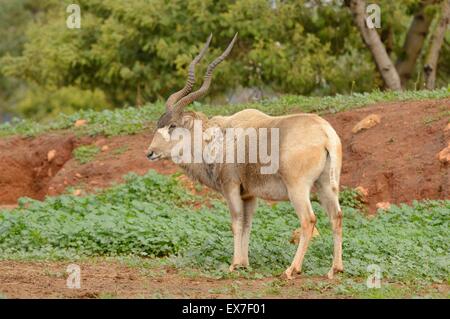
(172, 126)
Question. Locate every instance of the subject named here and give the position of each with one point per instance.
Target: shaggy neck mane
(204, 173)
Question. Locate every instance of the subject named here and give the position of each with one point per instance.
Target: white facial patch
(164, 132)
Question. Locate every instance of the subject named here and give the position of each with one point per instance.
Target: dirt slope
(395, 160)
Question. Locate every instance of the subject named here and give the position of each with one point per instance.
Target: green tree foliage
(13, 20)
(138, 50)
(39, 103)
(15, 16)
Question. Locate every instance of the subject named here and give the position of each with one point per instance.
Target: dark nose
(150, 154)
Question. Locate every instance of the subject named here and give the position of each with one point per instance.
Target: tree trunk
(387, 37)
(430, 68)
(374, 44)
(414, 41)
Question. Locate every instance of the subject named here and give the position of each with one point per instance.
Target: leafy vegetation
(353, 288)
(85, 153)
(132, 120)
(444, 113)
(350, 197)
(153, 216)
(121, 56)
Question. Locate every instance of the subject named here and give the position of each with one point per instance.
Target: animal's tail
(334, 149)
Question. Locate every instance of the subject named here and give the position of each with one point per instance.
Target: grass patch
(441, 115)
(150, 216)
(85, 153)
(131, 120)
(107, 295)
(120, 150)
(392, 290)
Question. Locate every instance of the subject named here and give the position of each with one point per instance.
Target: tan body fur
(310, 154)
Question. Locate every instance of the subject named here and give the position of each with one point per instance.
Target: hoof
(287, 274)
(334, 271)
(330, 274)
(233, 267)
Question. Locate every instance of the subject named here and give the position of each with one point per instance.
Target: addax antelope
(306, 148)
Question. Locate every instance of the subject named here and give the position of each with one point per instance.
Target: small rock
(105, 148)
(444, 155)
(77, 192)
(383, 205)
(363, 191)
(78, 175)
(295, 239)
(366, 123)
(315, 232)
(79, 123)
(100, 142)
(51, 155)
(363, 194)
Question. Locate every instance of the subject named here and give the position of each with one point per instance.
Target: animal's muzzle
(152, 156)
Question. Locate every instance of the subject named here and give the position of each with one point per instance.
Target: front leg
(249, 210)
(236, 206)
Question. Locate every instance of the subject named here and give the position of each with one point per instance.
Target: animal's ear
(187, 121)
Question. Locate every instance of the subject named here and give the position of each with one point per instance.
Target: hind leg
(299, 197)
(330, 201)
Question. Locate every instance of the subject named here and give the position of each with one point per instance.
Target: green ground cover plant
(153, 216)
(85, 153)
